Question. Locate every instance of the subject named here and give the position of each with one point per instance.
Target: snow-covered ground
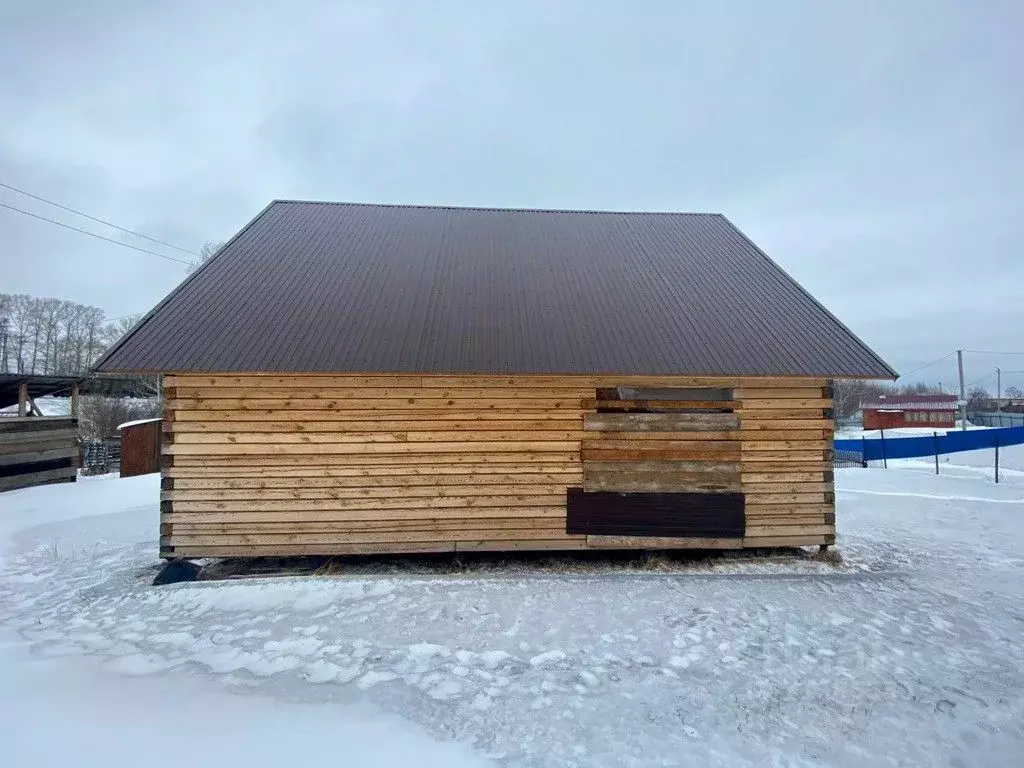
(851, 433)
(48, 406)
(913, 656)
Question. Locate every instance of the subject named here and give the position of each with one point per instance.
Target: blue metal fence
(875, 449)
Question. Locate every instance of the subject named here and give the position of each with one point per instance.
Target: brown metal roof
(912, 402)
(345, 287)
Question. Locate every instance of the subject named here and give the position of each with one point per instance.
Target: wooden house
(344, 378)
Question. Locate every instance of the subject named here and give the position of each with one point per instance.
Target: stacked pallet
(36, 450)
(347, 464)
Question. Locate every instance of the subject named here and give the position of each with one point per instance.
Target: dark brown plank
(705, 515)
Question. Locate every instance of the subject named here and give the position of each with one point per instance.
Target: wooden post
(885, 460)
(74, 401)
(864, 451)
(997, 457)
(23, 398)
(935, 444)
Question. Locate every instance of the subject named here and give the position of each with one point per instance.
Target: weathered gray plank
(661, 422)
(66, 474)
(650, 482)
(33, 423)
(40, 447)
(662, 476)
(37, 436)
(706, 467)
(23, 458)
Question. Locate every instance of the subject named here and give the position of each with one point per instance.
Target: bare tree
(847, 394)
(5, 323)
(53, 336)
(919, 388)
(977, 399)
(20, 318)
(100, 416)
(207, 252)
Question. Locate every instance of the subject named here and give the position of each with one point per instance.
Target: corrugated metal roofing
(911, 402)
(346, 287)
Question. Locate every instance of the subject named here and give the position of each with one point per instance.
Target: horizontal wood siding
(37, 450)
(313, 464)
(786, 457)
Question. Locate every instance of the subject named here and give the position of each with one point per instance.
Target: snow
(909, 655)
(79, 691)
(61, 712)
(854, 433)
(47, 405)
(137, 421)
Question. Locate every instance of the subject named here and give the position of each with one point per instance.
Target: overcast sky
(874, 149)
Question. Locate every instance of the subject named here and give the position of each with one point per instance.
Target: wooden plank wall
(36, 450)
(140, 448)
(306, 464)
(685, 450)
(786, 435)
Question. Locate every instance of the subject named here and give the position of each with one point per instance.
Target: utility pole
(963, 393)
(999, 387)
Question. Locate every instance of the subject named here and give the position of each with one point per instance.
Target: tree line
(53, 336)
(57, 337)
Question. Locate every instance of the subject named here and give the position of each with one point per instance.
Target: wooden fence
(35, 450)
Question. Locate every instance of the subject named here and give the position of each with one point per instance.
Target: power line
(990, 352)
(928, 365)
(93, 234)
(983, 379)
(93, 218)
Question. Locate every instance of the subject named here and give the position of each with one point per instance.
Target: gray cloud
(873, 149)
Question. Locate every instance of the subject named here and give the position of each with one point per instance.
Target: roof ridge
(435, 206)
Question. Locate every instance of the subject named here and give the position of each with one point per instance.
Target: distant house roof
(910, 403)
(342, 287)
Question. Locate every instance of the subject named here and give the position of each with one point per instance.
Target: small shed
(897, 411)
(350, 379)
(140, 447)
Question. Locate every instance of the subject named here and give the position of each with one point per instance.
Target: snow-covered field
(910, 655)
(848, 433)
(48, 406)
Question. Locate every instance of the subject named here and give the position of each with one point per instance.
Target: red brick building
(893, 411)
